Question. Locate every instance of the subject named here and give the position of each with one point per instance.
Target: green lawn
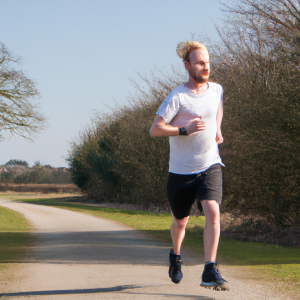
(276, 263)
(14, 236)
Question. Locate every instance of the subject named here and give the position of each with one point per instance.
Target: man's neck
(195, 87)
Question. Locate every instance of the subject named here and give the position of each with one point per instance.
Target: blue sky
(83, 52)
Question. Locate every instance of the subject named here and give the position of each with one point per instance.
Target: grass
(11, 221)
(276, 263)
(14, 236)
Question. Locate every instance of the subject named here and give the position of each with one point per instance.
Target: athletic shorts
(182, 190)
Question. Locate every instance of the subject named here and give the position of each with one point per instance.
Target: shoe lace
(218, 271)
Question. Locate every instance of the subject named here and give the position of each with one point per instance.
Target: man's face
(198, 67)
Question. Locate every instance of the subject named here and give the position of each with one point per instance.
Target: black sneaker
(212, 278)
(175, 268)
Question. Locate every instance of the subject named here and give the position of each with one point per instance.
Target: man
(191, 117)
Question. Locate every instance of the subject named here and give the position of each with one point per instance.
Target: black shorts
(182, 190)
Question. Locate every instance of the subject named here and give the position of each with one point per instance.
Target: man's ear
(186, 65)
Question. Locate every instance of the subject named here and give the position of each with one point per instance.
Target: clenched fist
(195, 125)
(219, 138)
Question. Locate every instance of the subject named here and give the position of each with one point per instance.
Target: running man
(191, 117)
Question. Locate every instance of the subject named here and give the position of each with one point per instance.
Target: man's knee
(211, 211)
(180, 223)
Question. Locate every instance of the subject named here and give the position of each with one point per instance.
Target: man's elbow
(153, 131)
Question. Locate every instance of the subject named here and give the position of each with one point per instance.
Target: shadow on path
(100, 290)
(98, 247)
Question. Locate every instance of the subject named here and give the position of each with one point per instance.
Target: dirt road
(78, 256)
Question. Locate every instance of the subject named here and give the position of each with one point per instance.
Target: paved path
(78, 256)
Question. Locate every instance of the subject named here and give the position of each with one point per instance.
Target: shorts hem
(219, 201)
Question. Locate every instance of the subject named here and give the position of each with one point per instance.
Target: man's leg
(212, 229)
(178, 232)
(211, 277)
(181, 192)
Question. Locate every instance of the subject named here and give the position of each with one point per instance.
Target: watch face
(182, 131)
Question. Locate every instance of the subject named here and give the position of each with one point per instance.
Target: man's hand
(219, 138)
(195, 125)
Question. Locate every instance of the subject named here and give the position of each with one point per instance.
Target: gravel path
(79, 256)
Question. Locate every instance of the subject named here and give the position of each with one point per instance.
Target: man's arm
(161, 129)
(219, 138)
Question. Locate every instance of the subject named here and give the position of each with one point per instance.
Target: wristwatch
(182, 130)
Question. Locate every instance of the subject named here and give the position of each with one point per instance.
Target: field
(39, 188)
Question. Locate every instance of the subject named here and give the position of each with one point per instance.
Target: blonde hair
(184, 49)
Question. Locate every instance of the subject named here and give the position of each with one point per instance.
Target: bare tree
(279, 13)
(19, 108)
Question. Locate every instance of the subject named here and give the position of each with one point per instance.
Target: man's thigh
(211, 185)
(181, 192)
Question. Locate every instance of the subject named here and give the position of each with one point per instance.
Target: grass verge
(279, 263)
(14, 236)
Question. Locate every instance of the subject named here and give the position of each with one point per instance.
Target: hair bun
(183, 48)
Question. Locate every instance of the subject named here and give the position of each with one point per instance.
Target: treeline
(19, 172)
(115, 159)
(257, 61)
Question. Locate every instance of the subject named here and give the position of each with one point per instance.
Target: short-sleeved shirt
(194, 153)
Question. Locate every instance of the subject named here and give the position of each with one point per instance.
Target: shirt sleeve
(169, 108)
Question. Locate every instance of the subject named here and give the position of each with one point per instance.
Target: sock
(210, 262)
(173, 253)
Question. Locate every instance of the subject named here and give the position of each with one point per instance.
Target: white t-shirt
(199, 151)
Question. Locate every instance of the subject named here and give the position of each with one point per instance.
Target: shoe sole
(215, 286)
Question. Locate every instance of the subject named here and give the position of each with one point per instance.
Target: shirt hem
(198, 172)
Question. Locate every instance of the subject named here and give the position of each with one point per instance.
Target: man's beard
(198, 78)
